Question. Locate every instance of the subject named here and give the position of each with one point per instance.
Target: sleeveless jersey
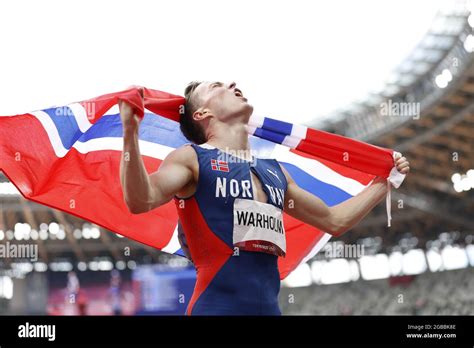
(233, 240)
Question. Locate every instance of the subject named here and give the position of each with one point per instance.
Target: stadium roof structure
(426, 111)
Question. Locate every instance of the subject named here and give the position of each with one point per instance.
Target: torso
(233, 278)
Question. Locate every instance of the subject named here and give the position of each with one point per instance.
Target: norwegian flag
(73, 152)
(221, 166)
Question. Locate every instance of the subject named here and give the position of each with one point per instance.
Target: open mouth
(238, 93)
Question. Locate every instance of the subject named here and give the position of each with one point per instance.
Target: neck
(227, 137)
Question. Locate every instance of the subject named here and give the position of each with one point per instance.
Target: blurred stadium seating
(442, 293)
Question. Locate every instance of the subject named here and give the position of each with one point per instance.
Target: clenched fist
(401, 163)
(130, 120)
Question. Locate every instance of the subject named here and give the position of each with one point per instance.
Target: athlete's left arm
(338, 219)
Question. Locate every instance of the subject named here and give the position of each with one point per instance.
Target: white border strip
(173, 245)
(299, 131)
(52, 132)
(147, 148)
(80, 115)
(291, 141)
(256, 121)
(318, 170)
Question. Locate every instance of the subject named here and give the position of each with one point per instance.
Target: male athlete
(231, 211)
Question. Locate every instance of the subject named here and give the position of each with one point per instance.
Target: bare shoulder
(182, 155)
(186, 157)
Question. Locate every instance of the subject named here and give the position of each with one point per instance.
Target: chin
(247, 112)
(248, 109)
(241, 113)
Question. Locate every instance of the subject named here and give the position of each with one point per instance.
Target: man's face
(223, 100)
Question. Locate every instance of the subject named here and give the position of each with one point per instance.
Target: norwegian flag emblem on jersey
(221, 166)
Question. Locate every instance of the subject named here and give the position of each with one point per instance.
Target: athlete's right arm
(143, 192)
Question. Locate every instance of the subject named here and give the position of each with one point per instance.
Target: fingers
(402, 165)
(400, 160)
(404, 170)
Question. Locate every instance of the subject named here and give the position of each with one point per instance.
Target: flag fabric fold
(68, 158)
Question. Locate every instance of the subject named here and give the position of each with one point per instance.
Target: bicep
(170, 178)
(306, 207)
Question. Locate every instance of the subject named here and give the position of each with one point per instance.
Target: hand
(129, 119)
(401, 163)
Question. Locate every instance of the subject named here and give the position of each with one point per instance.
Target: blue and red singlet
(234, 241)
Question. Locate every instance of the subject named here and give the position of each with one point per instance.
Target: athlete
(229, 202)
(115, 292)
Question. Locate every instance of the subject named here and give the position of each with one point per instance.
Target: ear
(201, 114)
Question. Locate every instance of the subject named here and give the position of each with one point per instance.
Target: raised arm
(143, 192)
(340, 218)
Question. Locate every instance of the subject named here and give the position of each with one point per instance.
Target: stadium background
(423, 264)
